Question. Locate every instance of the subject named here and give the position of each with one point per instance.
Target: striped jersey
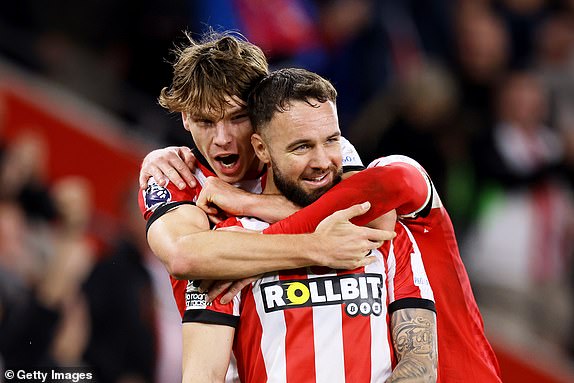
(157, 200)
(318, 324)
(399, 182)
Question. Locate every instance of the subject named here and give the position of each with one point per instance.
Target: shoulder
(397, 159)
(408, 176)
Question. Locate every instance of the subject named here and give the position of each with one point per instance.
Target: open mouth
(228, 161)
(319, 180)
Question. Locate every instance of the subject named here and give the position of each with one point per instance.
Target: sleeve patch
(194, 299)
(155, 195)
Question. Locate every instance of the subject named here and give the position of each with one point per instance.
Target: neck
(270, 187)
(256, 169)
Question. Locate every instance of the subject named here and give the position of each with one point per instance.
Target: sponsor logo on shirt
(155, 195)
(350, 160)
(359, 293)
(195, 300)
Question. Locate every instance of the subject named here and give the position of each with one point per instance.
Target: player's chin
(316, 193)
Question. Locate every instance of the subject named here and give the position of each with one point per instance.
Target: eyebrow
(304, 141)
(213, 117)
(296, 143)
(238, 111)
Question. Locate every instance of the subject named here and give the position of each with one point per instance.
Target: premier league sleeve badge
(155, 195)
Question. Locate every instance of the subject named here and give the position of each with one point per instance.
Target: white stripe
(252, 186)
(273, 337)
(254, 224)
(417, 266)
(391, 271)
(380, 347)
(237, 304)
(201, 178)
(328, 338)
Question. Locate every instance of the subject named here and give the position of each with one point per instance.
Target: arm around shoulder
(403, 181)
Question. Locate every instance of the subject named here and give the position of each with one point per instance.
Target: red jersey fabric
(318, 324)
(399, 182)
(157, 200)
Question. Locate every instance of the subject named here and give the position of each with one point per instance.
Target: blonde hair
(206, 74)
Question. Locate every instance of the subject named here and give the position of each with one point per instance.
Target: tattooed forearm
(413, 332)
(414, 340)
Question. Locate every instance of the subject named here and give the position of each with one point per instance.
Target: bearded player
(369, 324)
(391, 182)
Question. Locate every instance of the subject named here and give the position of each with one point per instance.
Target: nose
(321, 158)
(222, 135)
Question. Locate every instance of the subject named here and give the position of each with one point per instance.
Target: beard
(296, 194)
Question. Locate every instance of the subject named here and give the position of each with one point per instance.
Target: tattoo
(412, 335)
(414, 338)
(409, 369)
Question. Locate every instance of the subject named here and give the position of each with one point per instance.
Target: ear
(185, 119)
(260, 148)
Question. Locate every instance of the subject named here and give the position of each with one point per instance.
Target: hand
(174, 163)
(345, 244)
(233, 288)
(220, 194)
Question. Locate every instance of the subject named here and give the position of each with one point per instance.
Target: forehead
(302, 120)
(232, 105)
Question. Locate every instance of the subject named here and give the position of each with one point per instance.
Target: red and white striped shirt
(157, 200)
(318, 324)
(398, 182)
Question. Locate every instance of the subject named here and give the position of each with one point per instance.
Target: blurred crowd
(68, 296)
(480, 92)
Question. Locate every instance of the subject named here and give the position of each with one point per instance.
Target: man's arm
(176, 164)
(396, 186)
(237, 202)
(414, 339)
(183, 242)
(206, 352)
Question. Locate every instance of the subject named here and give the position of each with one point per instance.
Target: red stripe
(178, 287)
(404, 280)
(299, 344)
(247, 346)
(356, 344)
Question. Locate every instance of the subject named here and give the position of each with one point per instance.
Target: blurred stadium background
(481, 92)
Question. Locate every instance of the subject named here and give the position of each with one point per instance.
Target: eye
(301, 148)
(333, 140)
(203, 122)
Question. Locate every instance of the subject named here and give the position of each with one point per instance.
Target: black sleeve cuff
(426, 210)
(162, 210)
(412, 303)
(353, 168)
(210, 317)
